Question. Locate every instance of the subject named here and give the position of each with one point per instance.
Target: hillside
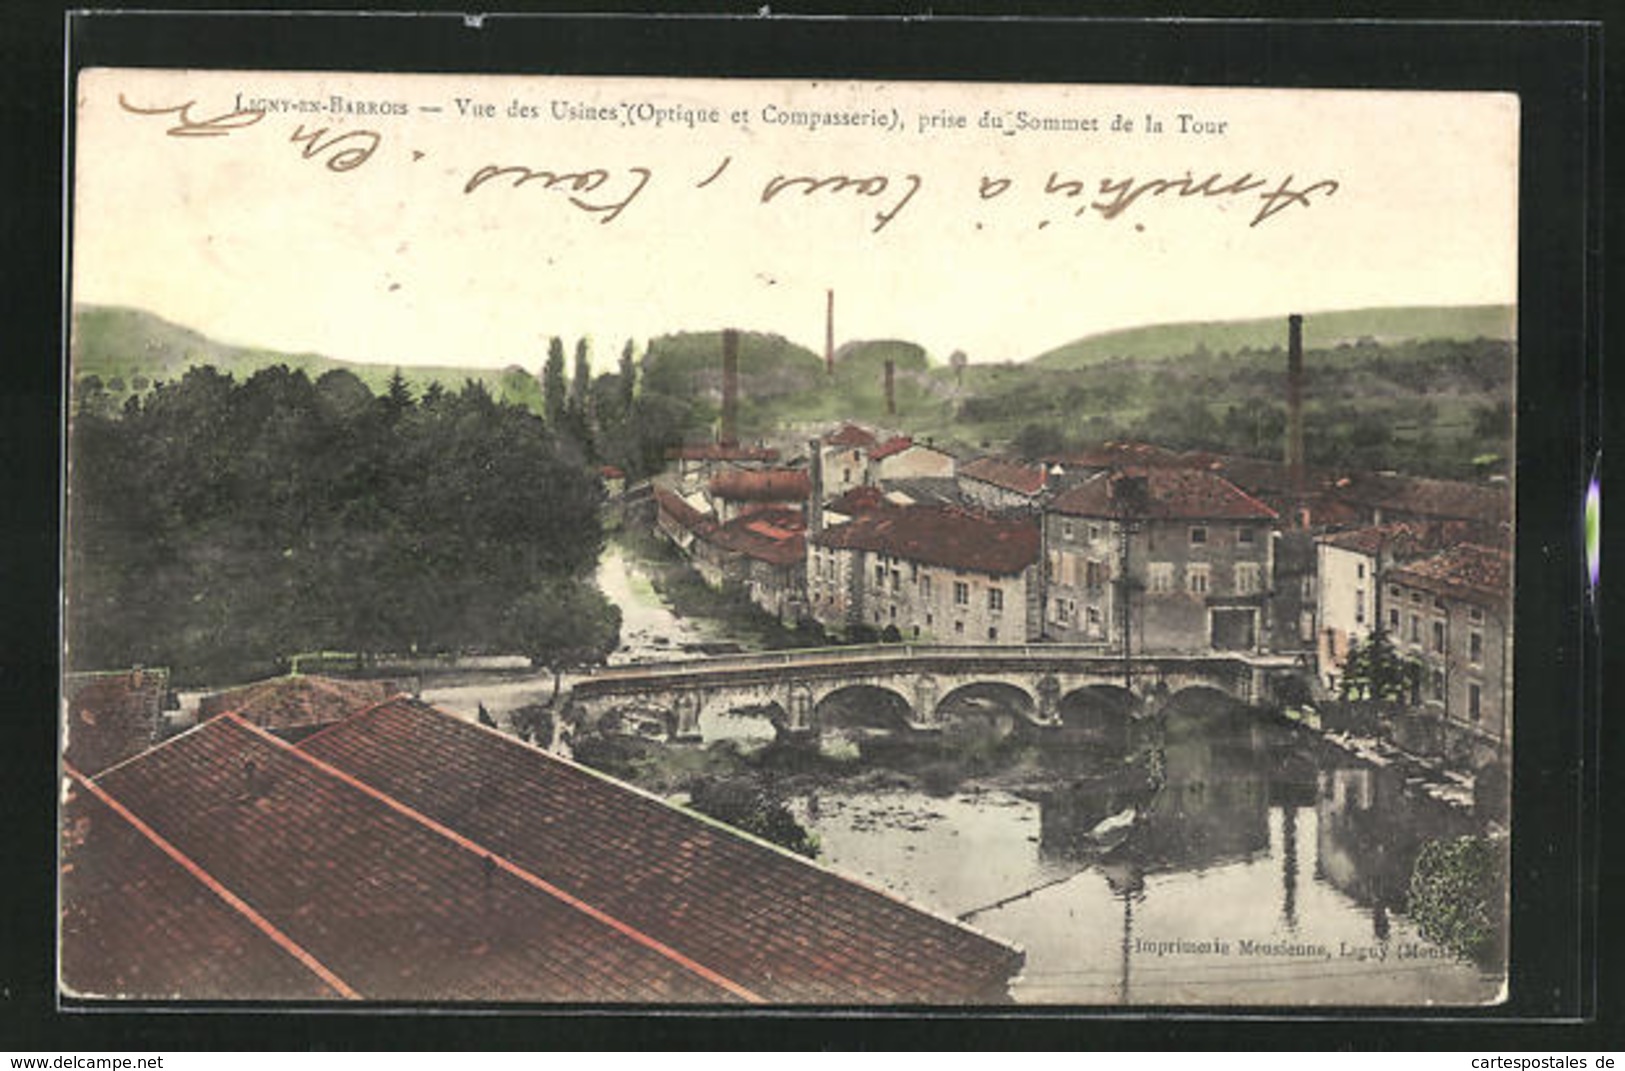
(130, 349)
(1324, 330)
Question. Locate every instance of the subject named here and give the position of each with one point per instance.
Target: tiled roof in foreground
(788, 929)
(294, 704)
(138, 925)
(398, 907)
(405, 855)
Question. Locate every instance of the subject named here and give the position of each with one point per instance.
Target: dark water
(1268, 868)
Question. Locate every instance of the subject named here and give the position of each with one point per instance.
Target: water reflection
(1230, 860)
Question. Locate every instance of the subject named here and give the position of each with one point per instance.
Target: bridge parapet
(794, 683)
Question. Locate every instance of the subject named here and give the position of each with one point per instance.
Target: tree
(553, 385)
(745, 806)
(1374, 670)
(581, 380)
(398, 397)
(629, 377)
(562, 623)
(957, 361)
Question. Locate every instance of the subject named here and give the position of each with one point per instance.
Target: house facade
(934, 574)
(1452, 614)
(1192, 555)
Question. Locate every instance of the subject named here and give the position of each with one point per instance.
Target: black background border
(1560, 858)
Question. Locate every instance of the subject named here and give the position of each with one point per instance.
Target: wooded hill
(1424, 390)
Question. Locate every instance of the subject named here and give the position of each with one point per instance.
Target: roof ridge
(165, 742)
(717, 823)
(214, 885)
(503, 862)
(350, 717)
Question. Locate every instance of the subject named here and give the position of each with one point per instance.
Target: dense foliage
(744, 805)
(219, 527)
(1455, 895)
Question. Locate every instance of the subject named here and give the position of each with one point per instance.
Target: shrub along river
(1260, 865)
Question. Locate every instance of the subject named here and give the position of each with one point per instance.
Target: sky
(377, 225)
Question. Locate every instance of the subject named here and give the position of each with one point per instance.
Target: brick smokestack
(829, 332)
(1294, 413)
(891, 387)
(730, 387)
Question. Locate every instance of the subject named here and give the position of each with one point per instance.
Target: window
(880, 575)
(1094, 574)
(1160, 577)
(1246, 536)
(1306, 626)
(992, 632)
(1475, 701)
(925, 586)
(1475, 615)
(1359, 570)
(1306, 588)
(995, 599)
(1196, 578)
(959, 628)
(961, 593)
(1066, 529)
(1438, 637)
(1416, 598)
(1093, 621)
(1094, 532)
(1249, 578)
(1198, 535)
(1359, 608)
(896, 579)
(1438, 686)
(1393, 621)
(1416, 629)
(1475, 648)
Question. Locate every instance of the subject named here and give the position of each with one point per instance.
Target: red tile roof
(939, 535)
(850, 435)
(764, 485)
(1022, 479)
(111, 716)
(395, 903)
(1171, 494)
(774, 536)
(1400, 540)
(787, 928)
(678, 510)
(291, 705)
(1481, 574)
(860, 499)
(1418, 497)
(891, 446)
(138, 925)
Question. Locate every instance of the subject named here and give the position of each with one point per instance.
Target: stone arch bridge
(927, 685)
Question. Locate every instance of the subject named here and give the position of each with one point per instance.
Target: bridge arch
(995, 707)
(1103, 712)
(1197, 706)
(861, 705)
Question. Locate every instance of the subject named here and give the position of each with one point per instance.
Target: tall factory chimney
(891, 387)
(1294, 413)
(730, 387)
(829, 332)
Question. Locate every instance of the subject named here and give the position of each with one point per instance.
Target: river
(1270, 868)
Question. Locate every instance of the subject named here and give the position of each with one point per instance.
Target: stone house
(1192, 553)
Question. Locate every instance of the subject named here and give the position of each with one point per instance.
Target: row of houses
(1127, 545)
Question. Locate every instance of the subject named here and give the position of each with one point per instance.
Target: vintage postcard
(577, 541)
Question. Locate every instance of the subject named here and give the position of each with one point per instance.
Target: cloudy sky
(368, 231)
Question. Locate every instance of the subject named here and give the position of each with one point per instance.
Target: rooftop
(404, 854)
(111, 716)
(1400, 539)
(850, 435)
(296, 704)
(762, 485)
(1481, 574)
(721, 452)
(939, 535)
(1010, 475)
(1169, 494)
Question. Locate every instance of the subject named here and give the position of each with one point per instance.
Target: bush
(1456, 896)
(745, 806)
